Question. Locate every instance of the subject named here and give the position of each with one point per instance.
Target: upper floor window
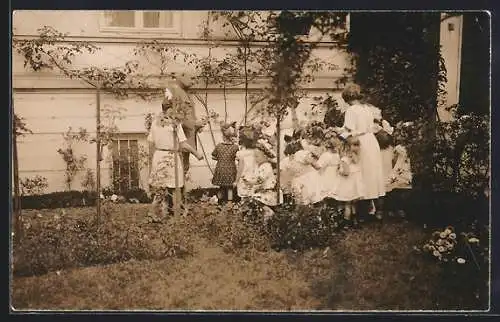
(134, 21)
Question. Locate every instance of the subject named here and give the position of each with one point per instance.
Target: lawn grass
(198, 262)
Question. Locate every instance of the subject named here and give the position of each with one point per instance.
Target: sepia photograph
(250, 161)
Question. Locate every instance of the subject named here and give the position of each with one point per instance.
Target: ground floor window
(125, 164)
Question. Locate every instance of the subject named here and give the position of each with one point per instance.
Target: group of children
(320, 165)
(249, 166)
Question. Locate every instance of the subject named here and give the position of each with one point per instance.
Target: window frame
(140, 138)
(138, 15)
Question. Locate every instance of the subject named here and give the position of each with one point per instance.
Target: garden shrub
(138, 194)
(460, 173)
(60, 199)
(229, 227)
(58, 241)
(73, 198)
(294, 226)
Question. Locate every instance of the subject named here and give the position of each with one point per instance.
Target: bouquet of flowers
(314, 132)
(442, 245)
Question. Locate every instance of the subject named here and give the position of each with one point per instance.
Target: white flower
(441, 249)
(473, 240)
(387, 127)
(460, 260)
(436, 253)
(453, 236)
(443, 235)
(440, 242)
(168, 94)
(406, 124)
(101, 196)
(214, 200)
(114, 198)
(447, 231)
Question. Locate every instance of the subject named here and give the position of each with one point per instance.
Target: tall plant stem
(245, 58)
(225, 101)
(98, 154)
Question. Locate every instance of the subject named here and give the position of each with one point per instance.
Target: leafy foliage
(20, 128)
(33, 186)
(73, 162)
(89, 180)
(51, 51)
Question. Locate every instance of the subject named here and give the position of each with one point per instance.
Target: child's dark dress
(225, 170)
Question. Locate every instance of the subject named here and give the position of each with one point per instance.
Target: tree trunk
(432, 22)
(278, 159)
(295, 118)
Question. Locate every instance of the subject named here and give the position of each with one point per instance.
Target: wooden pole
(98, 153)
(176, 165)
(17, 220)
(278, 158)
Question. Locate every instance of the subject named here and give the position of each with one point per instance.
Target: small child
(264, 181)
(327, 166)
(399, 181)
(289, 168)
(305, 186)
(350, 186)
(247, 166)
(384, 136)
(225, 169)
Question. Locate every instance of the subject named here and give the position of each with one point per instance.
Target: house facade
(52, 104)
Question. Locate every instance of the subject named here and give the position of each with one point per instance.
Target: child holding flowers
(225, 155)
(305, 186)
(264, 181)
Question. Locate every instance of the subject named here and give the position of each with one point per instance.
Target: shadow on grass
(374, 268)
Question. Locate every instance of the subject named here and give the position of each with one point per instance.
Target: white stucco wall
(50, 103)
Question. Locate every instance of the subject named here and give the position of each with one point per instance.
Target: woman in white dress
(167, 140)
(359, 121)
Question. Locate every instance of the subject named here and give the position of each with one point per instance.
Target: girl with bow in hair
(225, 169)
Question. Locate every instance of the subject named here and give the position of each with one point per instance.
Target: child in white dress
(350, 187)
(247, 165)
(399, 181)
(328, 166)
(305, 187)
(264, 181)
(289, 168)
